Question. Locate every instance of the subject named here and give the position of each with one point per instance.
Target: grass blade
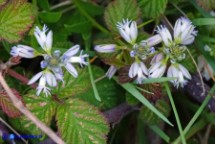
(133, 91)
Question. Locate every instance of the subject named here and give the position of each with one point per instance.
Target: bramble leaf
(152, 8)
(42, 107)
(119, 10)
(81, 123)
(15, 19)
(7, 105)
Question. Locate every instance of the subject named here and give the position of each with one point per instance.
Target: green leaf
(15, 19)
(204, 21)
(50, 17)
(44, 4)
(79, 85)
(81, 123)
(160, 132)
(132, 90)
(119, 10)
(152, 8)
(157, 80)
(43, 108)
(111, 94)
(91, 8)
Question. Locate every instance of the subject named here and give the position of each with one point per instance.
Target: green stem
(197, 114)
(175, 113)
(145, 23)
(87, 46)
(97, 25)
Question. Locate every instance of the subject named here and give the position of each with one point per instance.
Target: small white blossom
(205, 68)
(42, 87)
(68, 58)
(180, 73)
(184, 31)
(111, 71)
(44, 40)
(128, 30)
(45, 77)
(105, 48)
(138, 69)
(165, 35)
(22, 51)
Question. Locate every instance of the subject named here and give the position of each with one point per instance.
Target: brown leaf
(7, 105)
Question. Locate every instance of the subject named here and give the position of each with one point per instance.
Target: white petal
(184, 71)
(49, 40)
(51, 80)
(35, 78)
(72, 51)
(71, 69)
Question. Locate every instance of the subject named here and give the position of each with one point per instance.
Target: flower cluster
(53, 61)
(173, 50)
(139, 51)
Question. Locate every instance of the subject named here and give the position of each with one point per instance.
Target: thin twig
(207, 134)
(18, 104)
(5, 123)
(20, 77)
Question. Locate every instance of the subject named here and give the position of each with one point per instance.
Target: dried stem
(18, 104)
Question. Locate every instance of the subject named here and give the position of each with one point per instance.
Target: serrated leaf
(108, 90)
(119, 10)
(152, 8)
(81, 123)
(79, 85)
(7, 105)
(15, 19)
(43, 108)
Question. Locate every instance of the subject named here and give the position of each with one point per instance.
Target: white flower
(184, 31)
(111, 71)
(49, 77)
(22, 51)
(44, 40)
(45, 77)
(128, 30)
(205, 68)
(105, 48)
(157, 69)
(42, 87)
(68, 58)
(180, 73)
(138, 69)
(165, 35)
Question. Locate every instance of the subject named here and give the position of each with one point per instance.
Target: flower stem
(87, 46)
(175, 113)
